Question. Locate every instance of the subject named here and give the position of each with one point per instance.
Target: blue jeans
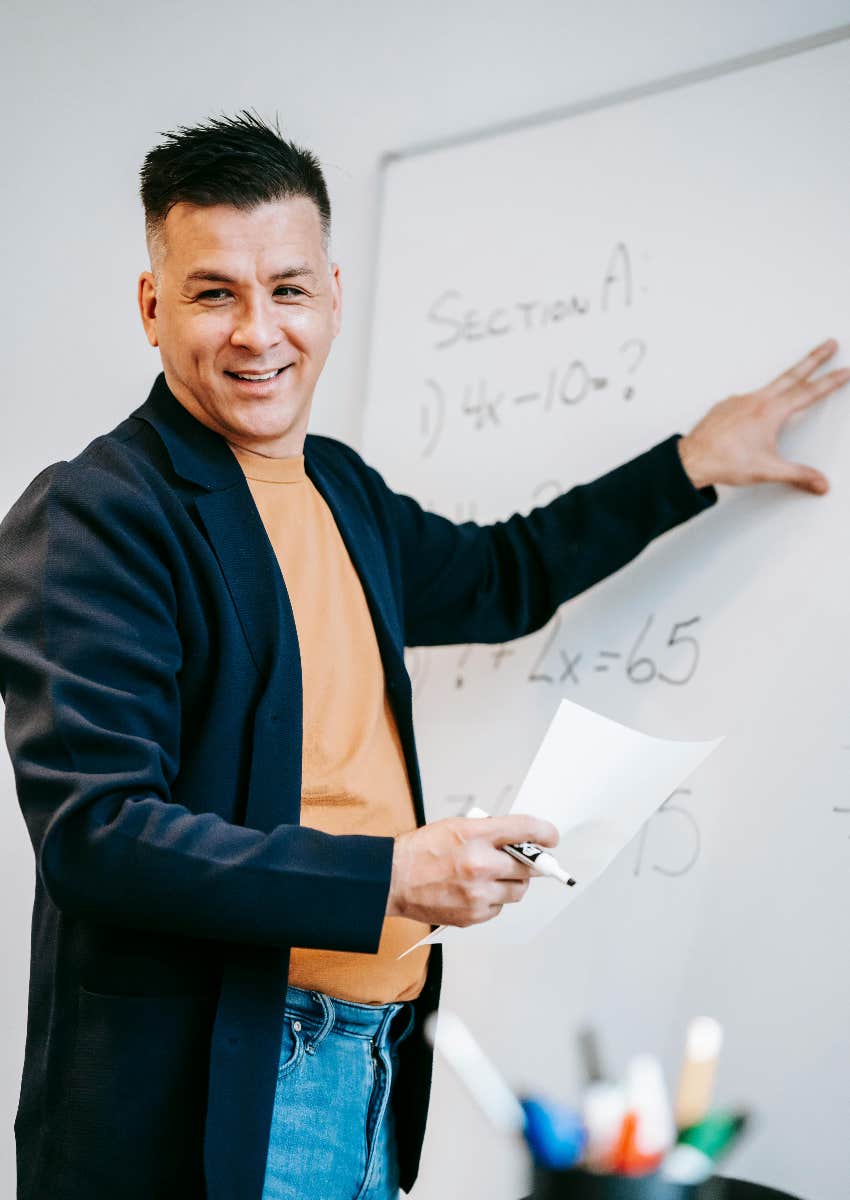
(332, 1135)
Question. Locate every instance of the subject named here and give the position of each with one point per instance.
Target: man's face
(244, 293)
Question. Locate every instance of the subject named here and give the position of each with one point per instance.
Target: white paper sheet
(598, 781)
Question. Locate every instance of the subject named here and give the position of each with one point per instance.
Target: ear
(147, 305)
(336, 289)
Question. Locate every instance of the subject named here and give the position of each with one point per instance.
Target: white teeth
(256, 378)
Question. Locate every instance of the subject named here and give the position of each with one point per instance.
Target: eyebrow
(207, 275)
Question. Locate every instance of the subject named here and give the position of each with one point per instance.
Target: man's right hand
(453, 872)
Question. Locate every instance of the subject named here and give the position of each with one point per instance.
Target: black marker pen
(534, 856)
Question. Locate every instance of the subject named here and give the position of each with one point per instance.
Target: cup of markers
(685, 1172)
(625, 1141)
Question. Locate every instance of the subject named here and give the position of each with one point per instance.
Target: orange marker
(647, 1131)
(628, 1159)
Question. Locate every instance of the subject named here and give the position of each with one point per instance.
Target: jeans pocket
(291, 1047)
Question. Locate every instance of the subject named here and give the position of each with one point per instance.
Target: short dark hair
(238, 160)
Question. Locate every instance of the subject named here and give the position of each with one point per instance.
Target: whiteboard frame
(668, 83)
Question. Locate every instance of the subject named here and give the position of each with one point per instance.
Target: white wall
(85, 90)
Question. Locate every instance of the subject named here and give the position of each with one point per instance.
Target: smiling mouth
(256, 376)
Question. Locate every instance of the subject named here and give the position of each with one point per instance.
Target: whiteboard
(551, 300)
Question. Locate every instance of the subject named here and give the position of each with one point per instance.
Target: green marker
(700, 1146)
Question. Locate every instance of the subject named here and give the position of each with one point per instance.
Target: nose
(257, 327)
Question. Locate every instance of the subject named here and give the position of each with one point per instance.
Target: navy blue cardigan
(150, 669)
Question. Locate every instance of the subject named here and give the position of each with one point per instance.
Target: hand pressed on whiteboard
(736, 441)
(452, 872)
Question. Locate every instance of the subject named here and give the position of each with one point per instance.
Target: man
(202, 620)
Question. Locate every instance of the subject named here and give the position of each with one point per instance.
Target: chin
(271, 424)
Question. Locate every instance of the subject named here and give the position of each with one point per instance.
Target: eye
(214, 294)
(285, 287)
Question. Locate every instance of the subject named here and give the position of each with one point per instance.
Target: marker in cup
(692, 1159)
(648, 1131)
(696, 1083)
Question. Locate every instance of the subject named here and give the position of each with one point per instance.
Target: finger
(819, 389)
(513, 891)
(798, 475)
(506, 868)
(494, 865)
(803, 369)
(504, 831)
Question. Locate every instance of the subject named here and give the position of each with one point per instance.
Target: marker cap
(554, 1133)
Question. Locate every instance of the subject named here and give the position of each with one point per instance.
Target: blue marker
(554, 1133)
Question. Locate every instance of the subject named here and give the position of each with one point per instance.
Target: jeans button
(296, 1025)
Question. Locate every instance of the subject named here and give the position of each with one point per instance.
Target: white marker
(603, 1107)
(532, 855)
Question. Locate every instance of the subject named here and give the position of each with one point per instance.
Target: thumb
(798, 475)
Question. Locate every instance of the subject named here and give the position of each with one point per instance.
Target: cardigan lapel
(364, 547)
(238, 536)
(232, 523)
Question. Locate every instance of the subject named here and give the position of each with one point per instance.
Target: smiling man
(245, 368)
(202, 625)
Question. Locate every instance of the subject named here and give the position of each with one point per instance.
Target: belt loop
(407, 1007)
(327, 1023)
(383, 1028)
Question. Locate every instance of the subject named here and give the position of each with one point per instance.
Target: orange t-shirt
(354, 778)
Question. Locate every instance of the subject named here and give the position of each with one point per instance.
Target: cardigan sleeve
(491, 583)
(90, 662)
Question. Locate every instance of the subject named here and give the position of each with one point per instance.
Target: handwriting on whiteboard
(681, 848)
(455, 322)
(482, 403)
(655, 654)
(675, 664)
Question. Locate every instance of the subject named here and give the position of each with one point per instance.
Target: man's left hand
(736, 441)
